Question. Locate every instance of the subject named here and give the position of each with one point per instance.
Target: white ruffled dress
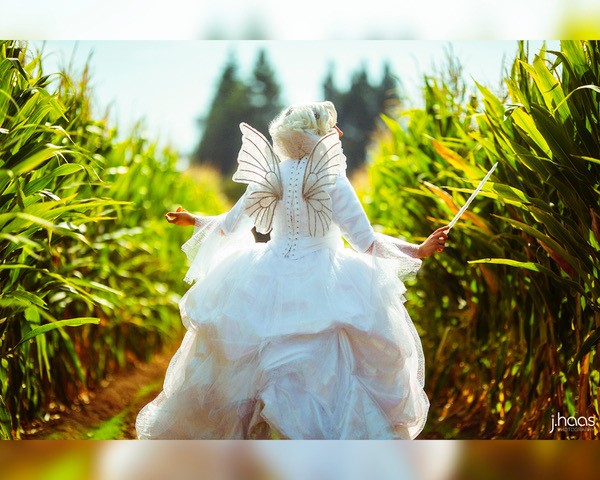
(298, 338)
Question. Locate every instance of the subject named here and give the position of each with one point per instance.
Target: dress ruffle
(320, 347)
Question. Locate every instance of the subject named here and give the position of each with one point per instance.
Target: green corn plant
(550, 144)
(511, 308)
(33, 219)
(83, 241)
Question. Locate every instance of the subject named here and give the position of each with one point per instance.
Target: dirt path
(110, 412)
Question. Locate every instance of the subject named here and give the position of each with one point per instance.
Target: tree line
(258, 99)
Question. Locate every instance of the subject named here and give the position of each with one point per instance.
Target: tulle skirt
(320, 347)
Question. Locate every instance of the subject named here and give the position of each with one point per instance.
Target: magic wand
(472, 197)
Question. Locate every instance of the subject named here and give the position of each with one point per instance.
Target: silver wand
(472, 197)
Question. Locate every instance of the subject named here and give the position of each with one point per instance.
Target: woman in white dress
(300, 337)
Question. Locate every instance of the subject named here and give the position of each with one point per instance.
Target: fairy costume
(301, 337)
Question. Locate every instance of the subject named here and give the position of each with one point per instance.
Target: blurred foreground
(430, 460)
(262, 19)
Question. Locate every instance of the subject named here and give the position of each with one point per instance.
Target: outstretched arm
(436, 242)
(349, 214)
(231, 221)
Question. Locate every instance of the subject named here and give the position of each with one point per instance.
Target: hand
(180, 217)
(435, 242)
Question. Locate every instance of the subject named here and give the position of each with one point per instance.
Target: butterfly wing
(258, 166)
(325, 162)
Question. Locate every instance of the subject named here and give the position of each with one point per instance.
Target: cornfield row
(83, 241)
(510, 313)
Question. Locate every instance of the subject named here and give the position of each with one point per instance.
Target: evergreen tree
(265, 94)
(389, 90)
(256, 102)
(357, 118)
(359, 109)
(220, 141)
(329, 89)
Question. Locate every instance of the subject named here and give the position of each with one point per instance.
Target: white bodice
(290, 235)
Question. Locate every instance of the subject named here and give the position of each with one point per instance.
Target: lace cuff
(209, 244)
(199, 222)
(203, 226)
(395, 255)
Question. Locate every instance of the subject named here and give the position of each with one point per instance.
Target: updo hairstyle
(297, 129)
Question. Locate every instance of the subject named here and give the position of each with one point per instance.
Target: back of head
(297, 129)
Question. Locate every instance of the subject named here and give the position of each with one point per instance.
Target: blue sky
(170, 84)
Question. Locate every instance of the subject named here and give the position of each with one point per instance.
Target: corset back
(290, 236)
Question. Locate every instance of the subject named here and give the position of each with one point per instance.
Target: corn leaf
(72, 322)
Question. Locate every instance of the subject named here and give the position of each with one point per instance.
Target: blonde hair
(318, 118)
(297, 129)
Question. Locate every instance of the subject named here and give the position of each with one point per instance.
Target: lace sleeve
(216, 236)
(395, 255)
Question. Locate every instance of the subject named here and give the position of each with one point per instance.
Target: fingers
(174, 217)
(441, 236)
(441, 241)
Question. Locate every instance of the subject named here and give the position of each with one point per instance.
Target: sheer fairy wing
(324, 163)
(258, 166)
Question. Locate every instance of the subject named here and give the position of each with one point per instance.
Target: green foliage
(83, 240)
(512, 306)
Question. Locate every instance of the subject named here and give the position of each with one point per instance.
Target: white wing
(325, 162)
(258, 166)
